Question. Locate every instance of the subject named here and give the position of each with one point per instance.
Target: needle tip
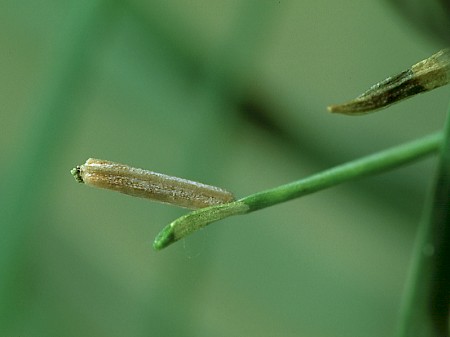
(164, 238)
(352, 108)
(332, 108)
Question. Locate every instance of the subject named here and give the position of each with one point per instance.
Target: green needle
(372, 164)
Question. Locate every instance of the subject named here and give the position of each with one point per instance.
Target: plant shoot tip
(164, 238)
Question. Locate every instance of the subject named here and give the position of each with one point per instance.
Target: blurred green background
(230, 93)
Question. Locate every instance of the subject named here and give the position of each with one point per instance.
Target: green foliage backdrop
(230, 93)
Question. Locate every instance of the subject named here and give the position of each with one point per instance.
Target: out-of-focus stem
(425, 307)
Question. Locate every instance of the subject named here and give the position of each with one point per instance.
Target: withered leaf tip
(426, 75)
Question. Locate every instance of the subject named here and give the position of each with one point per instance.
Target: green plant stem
(375, 163)
(425, 307)
(31, 177)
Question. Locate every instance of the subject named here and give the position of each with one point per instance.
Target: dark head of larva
(76, 172)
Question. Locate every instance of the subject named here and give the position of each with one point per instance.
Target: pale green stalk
(375, 163)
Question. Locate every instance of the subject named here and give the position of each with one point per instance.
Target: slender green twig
(425, 310)
(375, 163)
